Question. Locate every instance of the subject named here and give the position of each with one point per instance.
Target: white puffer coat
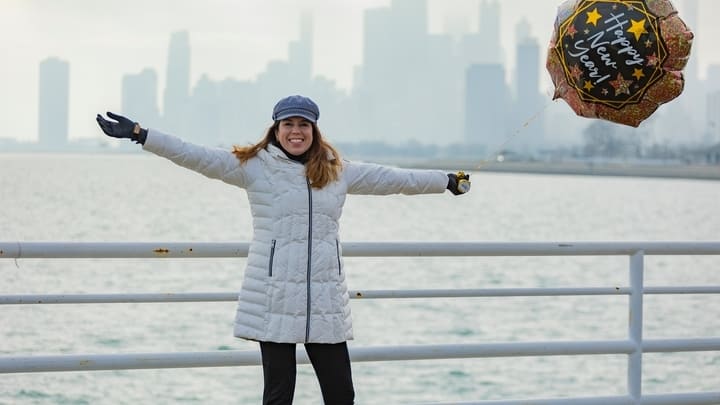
(294, 266)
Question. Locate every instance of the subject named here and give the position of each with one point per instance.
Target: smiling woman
(294, 288)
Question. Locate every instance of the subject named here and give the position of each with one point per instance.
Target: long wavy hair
(323, 164)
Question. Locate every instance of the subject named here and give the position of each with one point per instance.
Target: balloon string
(493, 156)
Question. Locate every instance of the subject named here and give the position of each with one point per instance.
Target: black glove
(458, 183)
(123, 128)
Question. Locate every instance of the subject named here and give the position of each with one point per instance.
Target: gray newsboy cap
(296, 106)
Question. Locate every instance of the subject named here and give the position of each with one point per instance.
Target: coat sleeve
(368, 178)
(214, 163)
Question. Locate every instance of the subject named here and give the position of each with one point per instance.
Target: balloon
(618, 60)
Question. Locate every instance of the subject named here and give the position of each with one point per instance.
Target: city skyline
(407, 73)
(112, 85)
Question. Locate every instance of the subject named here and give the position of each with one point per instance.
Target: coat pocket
(272, 257)
(339, 261)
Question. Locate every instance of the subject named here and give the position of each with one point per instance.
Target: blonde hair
(323, 164)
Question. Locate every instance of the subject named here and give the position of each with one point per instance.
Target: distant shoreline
(618, 169)
(582, 168)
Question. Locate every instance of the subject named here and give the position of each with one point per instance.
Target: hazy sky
(104, 39)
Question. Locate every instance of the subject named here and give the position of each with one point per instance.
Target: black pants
(330, 361)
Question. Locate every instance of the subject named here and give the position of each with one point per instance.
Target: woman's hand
(123, 128)
(458, 183)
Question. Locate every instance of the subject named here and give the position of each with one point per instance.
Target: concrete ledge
(705, 172)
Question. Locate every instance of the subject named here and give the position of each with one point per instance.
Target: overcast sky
(104, 39)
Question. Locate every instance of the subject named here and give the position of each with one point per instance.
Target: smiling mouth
(296, 140)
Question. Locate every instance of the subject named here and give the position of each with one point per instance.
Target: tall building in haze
(528, 100)
(177, 85)
(486, 103)
(395, 66)
(139, 97)
(690, 13)
(693, 87)
(54, 100)
(713, 117)
(301, 51)
(489, 31)
(483, 46)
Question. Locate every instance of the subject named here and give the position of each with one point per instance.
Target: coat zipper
(307, 322)
(337, 248)
(272, 257)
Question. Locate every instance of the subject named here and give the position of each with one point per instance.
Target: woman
(294, 287)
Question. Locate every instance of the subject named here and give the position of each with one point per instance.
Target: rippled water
(143, 198)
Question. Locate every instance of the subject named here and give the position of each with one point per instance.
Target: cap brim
(295, 114)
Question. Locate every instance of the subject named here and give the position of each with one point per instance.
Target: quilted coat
(294, 288)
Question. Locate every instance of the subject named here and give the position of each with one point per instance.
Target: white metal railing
(634, 346)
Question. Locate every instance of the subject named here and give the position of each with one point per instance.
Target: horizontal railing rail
(143, 250)
(232, 358)
(29, 299)
(634, 346)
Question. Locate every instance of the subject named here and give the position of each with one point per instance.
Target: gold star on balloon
(648, 43)
(621, 85)
(593, 17)
(588, 85)
(638, 74)
(638, 28)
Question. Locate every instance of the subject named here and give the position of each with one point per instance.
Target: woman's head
(295, 130)
(295, 124)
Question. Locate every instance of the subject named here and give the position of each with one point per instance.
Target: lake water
(144, 198)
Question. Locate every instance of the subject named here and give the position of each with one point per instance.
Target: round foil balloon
(618, 60)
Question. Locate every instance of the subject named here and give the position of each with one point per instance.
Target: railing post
(635, 325)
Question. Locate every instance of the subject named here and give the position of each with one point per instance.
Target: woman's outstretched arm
(214, 163)
(369, 178)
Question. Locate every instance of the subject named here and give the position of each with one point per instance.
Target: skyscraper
(489, 31)
(713, 117)
(301, 51)
(395, 45)
(527, 70)
(54, 99)
(693, 87)
(528, 102)
(486, 101)
(204, 122)
(690, 14)
(177, 85)
(483, 46)
(139, 97)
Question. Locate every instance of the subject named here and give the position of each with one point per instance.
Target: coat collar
(278, 153)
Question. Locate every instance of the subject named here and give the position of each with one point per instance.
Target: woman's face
(295, 134)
